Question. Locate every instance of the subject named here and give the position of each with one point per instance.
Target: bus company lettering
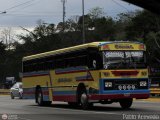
(124, 47)
(64, 80)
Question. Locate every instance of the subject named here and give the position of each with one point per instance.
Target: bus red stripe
(37, 75)
(70, 98)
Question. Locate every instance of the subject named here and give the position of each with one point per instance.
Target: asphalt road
(27, 110)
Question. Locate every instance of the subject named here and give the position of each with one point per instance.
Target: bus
(97, 72)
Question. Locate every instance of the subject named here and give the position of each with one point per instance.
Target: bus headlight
(108, 84)
(143, 83)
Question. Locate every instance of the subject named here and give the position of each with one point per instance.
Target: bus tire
(82, 97)
(39, 97)
(84, 100)
(126, 103)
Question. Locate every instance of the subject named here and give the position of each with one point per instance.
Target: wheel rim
(83, 98)
(39, 98)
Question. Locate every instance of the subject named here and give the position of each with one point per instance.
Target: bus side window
(95, 61)
(59, 63)
(75, 59)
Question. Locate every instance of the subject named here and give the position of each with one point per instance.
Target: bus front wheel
(85, 104)
(126, 103)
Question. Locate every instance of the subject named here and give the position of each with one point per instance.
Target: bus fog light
(108, 84)
(128, 87)
(133, 87)
(143, 83)
(124, 87)
(120, 87)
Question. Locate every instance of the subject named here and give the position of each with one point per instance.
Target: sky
(26, 13)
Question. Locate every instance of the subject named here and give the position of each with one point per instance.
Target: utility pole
(64, 13)
(83, 31)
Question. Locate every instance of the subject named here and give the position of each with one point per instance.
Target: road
(28, 110)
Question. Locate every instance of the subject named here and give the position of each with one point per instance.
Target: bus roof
(69, 49)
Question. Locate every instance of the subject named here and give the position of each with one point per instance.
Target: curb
(149, 99)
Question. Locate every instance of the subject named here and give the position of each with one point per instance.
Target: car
(16, 90)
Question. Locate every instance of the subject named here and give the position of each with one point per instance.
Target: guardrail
(4, 91)
(155, 91)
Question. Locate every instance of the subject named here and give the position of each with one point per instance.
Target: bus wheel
(84, 101)
(126, 103)
(39, 97)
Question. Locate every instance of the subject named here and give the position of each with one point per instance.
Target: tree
(2, 60)
(153, 48)
(72, 23)
(8, 37)
(122, 21)
(96, 13)
(2, 51)
(44, 29)
(142, 24)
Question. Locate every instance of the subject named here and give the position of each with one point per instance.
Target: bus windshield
(124, 59)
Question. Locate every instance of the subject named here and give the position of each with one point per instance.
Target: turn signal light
(105, 47)
(141, 47)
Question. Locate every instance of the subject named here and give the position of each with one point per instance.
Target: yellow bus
(98, 72)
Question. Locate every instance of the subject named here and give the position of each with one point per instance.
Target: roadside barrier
(4, 91)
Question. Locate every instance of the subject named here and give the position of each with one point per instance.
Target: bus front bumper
(118, 96)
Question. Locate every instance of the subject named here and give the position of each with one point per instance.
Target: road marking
(79, 111)
(86, 111)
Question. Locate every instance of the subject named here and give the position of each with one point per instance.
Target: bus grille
(132, 84)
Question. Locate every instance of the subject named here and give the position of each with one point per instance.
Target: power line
(120, 5)
(31, 4)
(19, 5)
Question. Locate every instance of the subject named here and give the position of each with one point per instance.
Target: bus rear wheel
(39, 99)
(126, 103)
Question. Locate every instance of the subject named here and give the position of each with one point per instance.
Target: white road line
(80, 111)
